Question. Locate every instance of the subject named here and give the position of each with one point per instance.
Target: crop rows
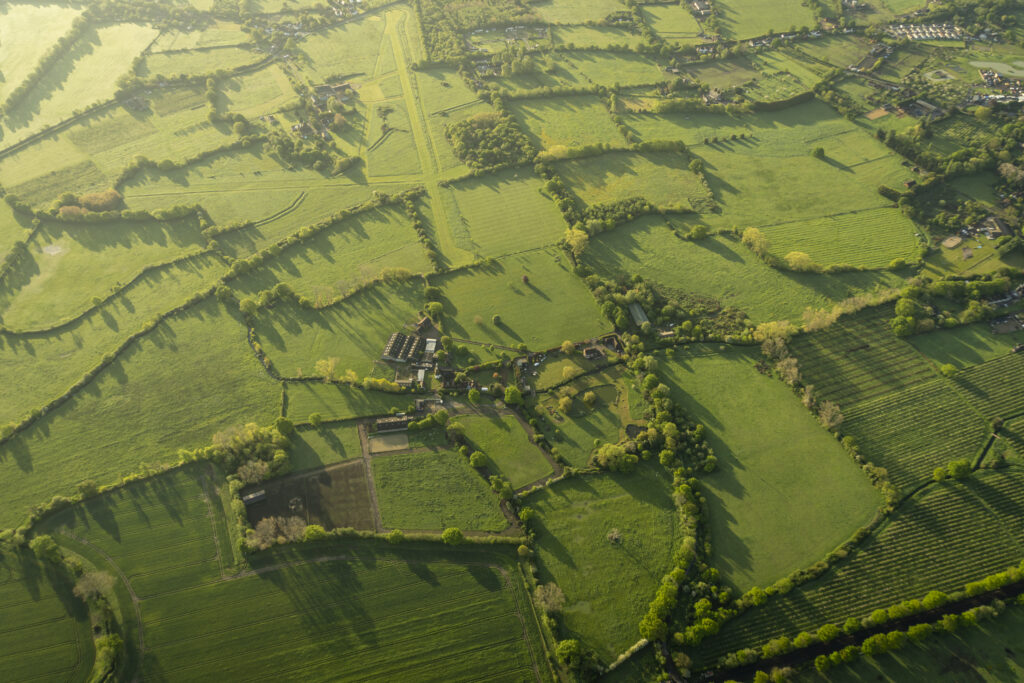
(858, 359)
(866, 238)
(951, 535)
(39, 637)
(995, 386)
(385, 619)
(912, 431)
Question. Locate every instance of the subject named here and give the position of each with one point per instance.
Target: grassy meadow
(41, 365)
(354, 330)
(664, 179)
(785, 493)
(947, 536)
(501, 214)
(507, 447)
(459, 611)
(569, 121)
(430, 491)
(141, 409)
(722, 269)
(537, 298)
(591, 532)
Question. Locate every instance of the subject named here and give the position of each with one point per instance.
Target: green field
(141, 409)
(570, 122)
(504, 213)
(871, 238)
(338, 402)
(748, 18)
(326, 445)
(63, 258)
(538, 300)
(720, 268)
(354, 331)
(912, 431)
(573, 434)
(291, 201)
(432, 491)
(594, 36)
(576, 11)
(965, 346)
(858, 359)
(663, 179)
(85, 76)
(785, 494)
(348, 254)
(43, 364)
(21, 29)
(674, 24)
(507, 447)
(576, 517)
(46, 632)
(168, 541)
(949, 535)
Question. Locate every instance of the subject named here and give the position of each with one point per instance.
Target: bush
(453, 536)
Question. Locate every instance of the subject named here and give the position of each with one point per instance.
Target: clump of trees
(488, 140)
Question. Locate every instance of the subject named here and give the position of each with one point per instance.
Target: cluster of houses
(926, 31)
(701, 8)
(345, 8)
(997, 81)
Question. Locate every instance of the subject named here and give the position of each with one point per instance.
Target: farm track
(364, 446)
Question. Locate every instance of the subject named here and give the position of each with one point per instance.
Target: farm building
(397, 423)
(592, 353)
(254, 497)
(403, 348)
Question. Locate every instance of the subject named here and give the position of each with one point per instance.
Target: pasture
(573, 435)
(361, 598)
(722, 269)
(965, 346)
(354, 330)
(85, 76)
(141, 409)
(568, 121)
(594, 36)
(26, 32)
(663, 179)
(46, 630)
(501, 214)
(507, 447)
(50, 285)
(328, 444)
(785, 493)
(433, 490)
(338, 402)
(539, 302)
(741, 19)
(195, 62)
(39, 365)
(350, 253)
(675, 24)
(576, 11)
(947, 536)
(591, 532)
